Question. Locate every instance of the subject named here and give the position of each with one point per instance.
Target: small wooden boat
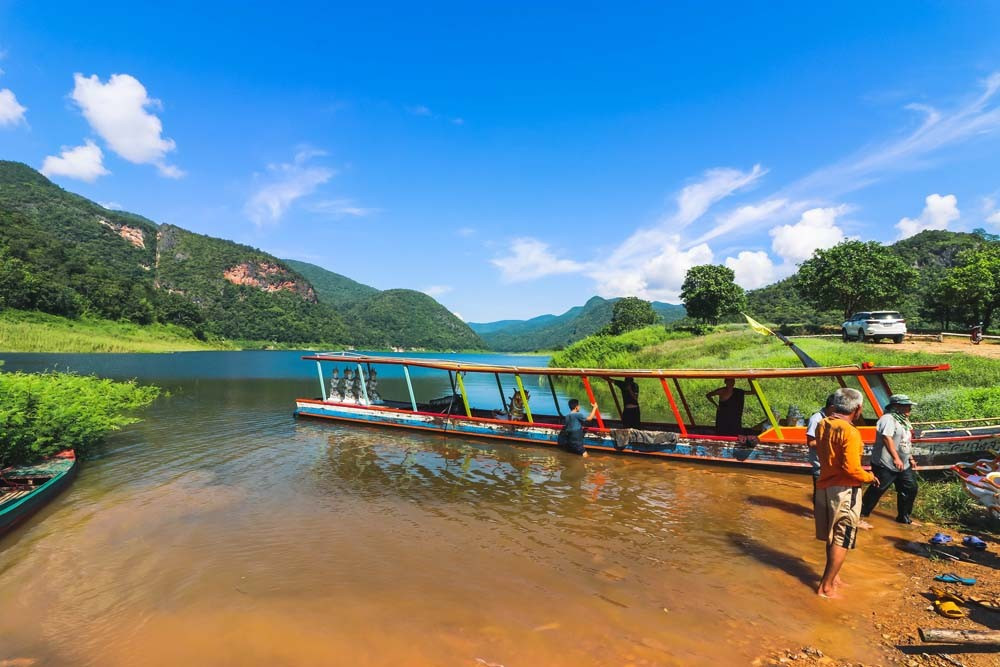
(25, 489)
(772, 444)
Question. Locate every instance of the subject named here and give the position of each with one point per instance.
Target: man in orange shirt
(837, 501)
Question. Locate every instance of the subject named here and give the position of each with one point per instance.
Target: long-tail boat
(774, 443)
(25, 489)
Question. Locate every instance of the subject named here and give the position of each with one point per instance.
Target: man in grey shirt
(892, 459)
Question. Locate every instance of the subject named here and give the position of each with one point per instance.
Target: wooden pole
(981, 637)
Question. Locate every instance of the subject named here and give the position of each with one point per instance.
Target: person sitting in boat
(571, 436)
(630, 402)
(334, 382)
(517, 412)
(728, 401)
(342, 385)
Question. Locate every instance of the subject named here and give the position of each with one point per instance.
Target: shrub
(42, 414)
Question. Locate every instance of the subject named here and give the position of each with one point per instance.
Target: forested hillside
(405, 314)
(65, 255)
(548, 332)
(932, 253)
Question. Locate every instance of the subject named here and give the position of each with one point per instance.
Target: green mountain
(409, 315)
(332, 288)
(931, 252)
(66, 255)
(548, 332)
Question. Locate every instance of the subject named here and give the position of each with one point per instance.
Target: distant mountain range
(63, 254)
(548, 332)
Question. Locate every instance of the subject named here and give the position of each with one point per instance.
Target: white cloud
(459, 315)
(437, 290)
(748, 215)
(84, 163)
(752, 269)
(118, 112)
(658, 277)
(978, 116)
(340, 208)
(11, 111)
(287, 183)
(715, 185)
(990, 211)
(419, 110)
(466, 232)
(938, 212)
(112, 205)
(816, 229)
(529, 259)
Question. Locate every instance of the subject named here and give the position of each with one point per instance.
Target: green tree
(972, 290)
(628, 314)
(854, 275)
(710, 292)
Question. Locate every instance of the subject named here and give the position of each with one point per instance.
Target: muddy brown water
(223, 531)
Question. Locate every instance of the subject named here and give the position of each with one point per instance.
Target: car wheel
(843, 332)
(861, 335)
(897, 339)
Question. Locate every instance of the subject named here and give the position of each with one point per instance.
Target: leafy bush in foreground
(42, 414)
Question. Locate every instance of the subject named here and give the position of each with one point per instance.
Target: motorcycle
(976, 336)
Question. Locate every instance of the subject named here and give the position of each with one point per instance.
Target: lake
(223, 531)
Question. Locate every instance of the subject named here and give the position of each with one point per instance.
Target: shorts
(838, 513)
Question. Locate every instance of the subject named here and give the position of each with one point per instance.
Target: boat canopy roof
(669, 373)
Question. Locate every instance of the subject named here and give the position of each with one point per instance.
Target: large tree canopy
(854, 275)
(630, 313)
(710, 292)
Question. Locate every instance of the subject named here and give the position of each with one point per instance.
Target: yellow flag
(757, 326)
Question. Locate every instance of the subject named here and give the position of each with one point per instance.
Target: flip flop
(947, 596)
(952, 578)
(949, 609)
(940, 538)
(974, 542)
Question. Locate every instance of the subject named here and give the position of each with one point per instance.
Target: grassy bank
(22, 331)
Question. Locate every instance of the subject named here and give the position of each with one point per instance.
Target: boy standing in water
(571, 437)
(837, 501)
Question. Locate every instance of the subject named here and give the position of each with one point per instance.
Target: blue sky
(510, 160)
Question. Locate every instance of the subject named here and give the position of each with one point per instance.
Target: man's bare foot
(864, 525)
(585, 455)
(830, 593)
(838, 582)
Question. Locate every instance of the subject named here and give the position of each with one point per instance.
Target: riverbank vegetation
(42, 414)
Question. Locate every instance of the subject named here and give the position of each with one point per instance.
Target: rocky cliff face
(269, 278)
(133, 235)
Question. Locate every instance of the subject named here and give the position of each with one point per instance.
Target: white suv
(875, 324)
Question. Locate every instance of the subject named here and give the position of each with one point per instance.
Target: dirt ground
(895, 627)
(949, 345)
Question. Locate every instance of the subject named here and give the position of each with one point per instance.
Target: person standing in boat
(837, 502)
(571, 436)
(631, 417)
(892, 459)
(728, 401)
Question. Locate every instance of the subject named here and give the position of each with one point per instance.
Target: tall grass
(22, 331)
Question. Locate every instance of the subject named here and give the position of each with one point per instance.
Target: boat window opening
(755, 385)
(503, 399)
(614, 396)
(684, 402)
(555, 399)
(870, 395)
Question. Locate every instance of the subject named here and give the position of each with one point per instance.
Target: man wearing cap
(892, 459)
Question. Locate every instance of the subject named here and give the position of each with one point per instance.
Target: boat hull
(59, 470)
(748, 452)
